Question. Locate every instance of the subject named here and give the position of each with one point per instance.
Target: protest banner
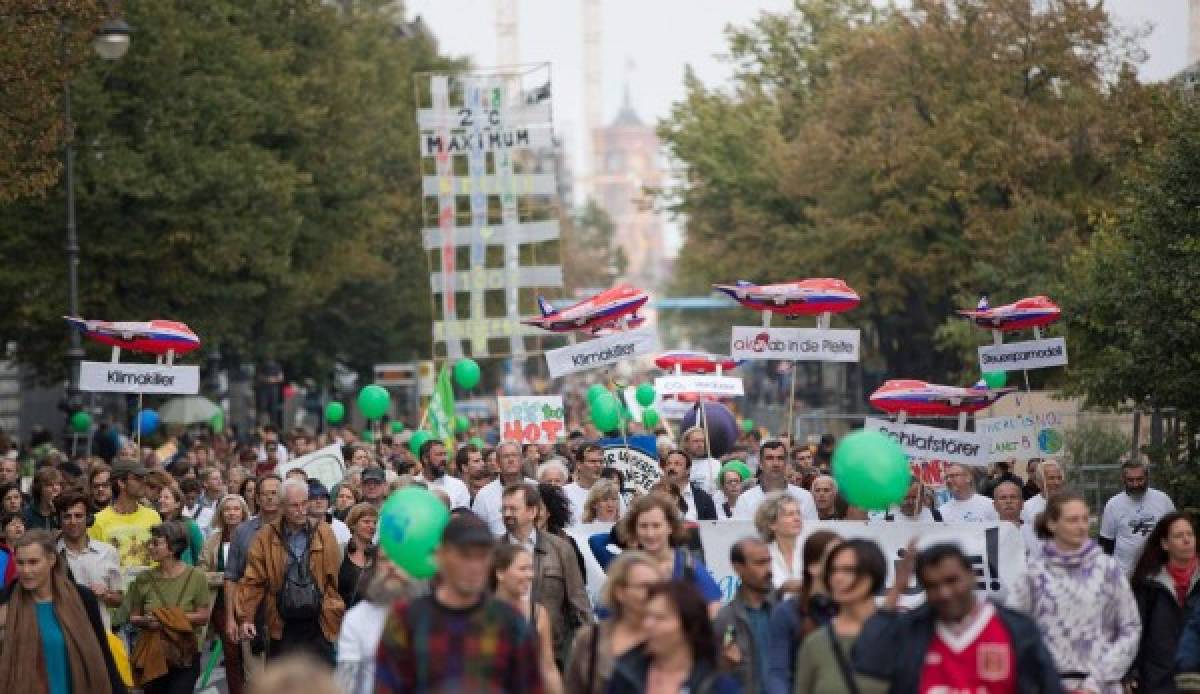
(794, 344)
(721, 386)
(1018, 356)
(532, 418)
(930, 442)
(602, 351)
(147, 379)
(325, 465)
(996, 550)
(1022, 436)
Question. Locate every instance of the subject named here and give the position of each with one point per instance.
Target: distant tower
(626, 162)
(1193, 32)
(593, 92)
(508, 49)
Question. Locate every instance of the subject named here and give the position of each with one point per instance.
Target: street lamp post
(110, 43)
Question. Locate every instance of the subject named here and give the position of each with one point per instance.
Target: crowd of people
(123, 574)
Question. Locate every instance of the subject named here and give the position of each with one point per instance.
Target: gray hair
(823, 478)
(1041, 469)
(553, 464)
(769, 510)
(292, 483)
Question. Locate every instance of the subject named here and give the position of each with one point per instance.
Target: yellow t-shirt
(128, 532)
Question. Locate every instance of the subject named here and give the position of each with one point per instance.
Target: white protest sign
(995, 550)
(602, 351)
(1018, 356)
(532, 418)
(325, 465)
(641, 471)
(1022, 436)
(793, 344)
(721, 386)
(148, 379)
(930, 442)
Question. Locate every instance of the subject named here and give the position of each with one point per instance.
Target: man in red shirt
(955, 643)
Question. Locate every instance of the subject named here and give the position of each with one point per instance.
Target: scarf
(1181, 576)
(22, 647)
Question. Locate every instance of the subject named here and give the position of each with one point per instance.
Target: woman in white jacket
(1081, 600)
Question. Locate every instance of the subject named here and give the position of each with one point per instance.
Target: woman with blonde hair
(597, 646)
(779, 522)
(231, 512)
(603, 502)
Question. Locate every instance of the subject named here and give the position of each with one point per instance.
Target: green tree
(249, 168)
(588, 249)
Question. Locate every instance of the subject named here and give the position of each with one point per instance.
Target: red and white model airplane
(610, 309)
(1030, 312)
(810, 297)
(694, 362)
(918, 398)
(159, 337)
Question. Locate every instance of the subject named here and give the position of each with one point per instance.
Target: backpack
(299, 598)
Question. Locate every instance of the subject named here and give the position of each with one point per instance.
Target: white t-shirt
(362, 629)
(752, 498)
(577, 495)
(689, 498)
(976, 509)
(488, 502)
(706, 472)
(925, 516)
(1128, 521)
(460, 496)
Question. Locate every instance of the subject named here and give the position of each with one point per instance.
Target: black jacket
(892, 647)
(632, 669)
(705, 508)
(1163, 619)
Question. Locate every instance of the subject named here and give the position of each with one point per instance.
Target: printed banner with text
(721, 386)
(148, 379)
(1023, 436)
(532, 418)
(602, 351)
(1018, 356)
(794, 344)
(930, 442)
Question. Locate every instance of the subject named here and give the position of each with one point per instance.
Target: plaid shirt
(427, 647)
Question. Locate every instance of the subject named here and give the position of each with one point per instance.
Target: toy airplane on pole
(903, 397)
(1034, 312)
(611, 309)
(163, 338)
(809, 297)
(689, 362)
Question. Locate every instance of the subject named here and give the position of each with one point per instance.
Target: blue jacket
(786, 627)
(1187, 655)
(892, 648)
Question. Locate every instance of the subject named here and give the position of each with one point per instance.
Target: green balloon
(373, 401)
(335, 412)
(368, 435)
(645, 395)
(218, 421)
(650, 417)
(419, 437)
(466, 373)
(747, 425)
(871, 470)
(80, 422)
(410, 529)
(477, 442)
(396, 426)
(995, 379)
(606, 413)
(737, 466)
(461, 424)
(594, 391)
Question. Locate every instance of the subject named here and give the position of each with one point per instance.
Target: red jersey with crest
(977, 659)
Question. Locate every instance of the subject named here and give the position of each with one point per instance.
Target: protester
(295, 562)
(363, 519)
(1007, 501)
(912, 509)
(318, 511)
(1032, 486)
(1166, 585)
(1000, 473)
(796, 617)
(230, 512)
(92, 563)
(854, 572)
(170, 605)
(170, 508)
(603, 503)
(704, 467)
(679, 653)
(1129, 516)
(954, 642)
(384, 584)
(554, 510)
(268, 488)
(126, 523)
(11, 499)
(213, 489)
(52, 637)
(589, 462)
(40, 513)
(457, 639)
(374, 487)
(433, 469)
(296, 674)
(779, 524)
(597, 646)
(553, 471)
(772, 460)
(99, 487)
(10, 471)
(1050, 481)
(344, 499)
(965, 505)
(744, 624)
(654, 526)
(730, 489)
(487, 503)
(248, 490)
(697, 503)
(558, 585)
(513, 575)
(1080, 599)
